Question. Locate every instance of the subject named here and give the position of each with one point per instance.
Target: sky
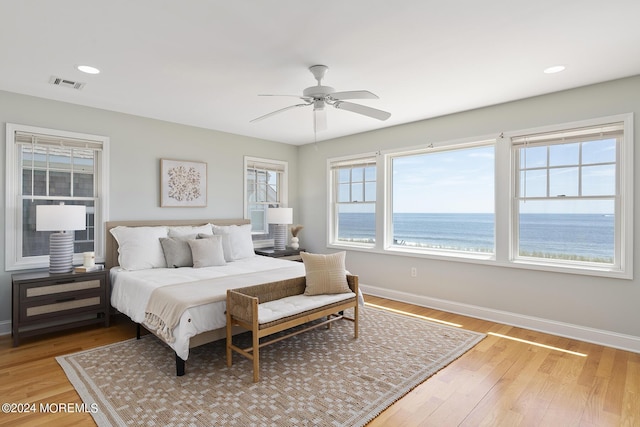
(445, 182)
(462, 181)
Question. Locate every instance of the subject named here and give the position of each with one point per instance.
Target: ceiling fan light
(318, 104)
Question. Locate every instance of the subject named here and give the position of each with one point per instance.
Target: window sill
(490, 259)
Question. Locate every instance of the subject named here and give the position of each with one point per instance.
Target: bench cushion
(296, 304)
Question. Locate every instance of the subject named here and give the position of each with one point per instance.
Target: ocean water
(587, 237)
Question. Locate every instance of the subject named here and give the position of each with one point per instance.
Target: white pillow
(188, 230)
(239, 245)
(139, 248)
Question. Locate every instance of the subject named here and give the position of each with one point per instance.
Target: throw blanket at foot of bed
(167, 304)
(274, 307)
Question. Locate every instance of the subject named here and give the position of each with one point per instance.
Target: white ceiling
(203, 62)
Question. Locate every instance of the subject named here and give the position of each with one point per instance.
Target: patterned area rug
(321, 377)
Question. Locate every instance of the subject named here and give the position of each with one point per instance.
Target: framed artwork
(183, 184)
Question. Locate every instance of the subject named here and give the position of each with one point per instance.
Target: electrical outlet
(414, 272)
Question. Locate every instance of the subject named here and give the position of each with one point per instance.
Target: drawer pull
(66, 299)
(64, 282)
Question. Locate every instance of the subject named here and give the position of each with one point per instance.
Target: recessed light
(554, 69)
(88, 69)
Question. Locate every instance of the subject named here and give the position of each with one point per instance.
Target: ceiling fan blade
(257, 119)
(353, 94)
(319, 120)
(361, 109)
(305, 98)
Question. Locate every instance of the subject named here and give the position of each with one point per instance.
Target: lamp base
(60, 252)
(279, 237)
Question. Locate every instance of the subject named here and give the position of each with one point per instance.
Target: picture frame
(183, 184)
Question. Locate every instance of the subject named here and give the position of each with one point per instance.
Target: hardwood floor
(498, 382)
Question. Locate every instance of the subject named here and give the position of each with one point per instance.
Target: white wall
(137, 145)
(590, 308)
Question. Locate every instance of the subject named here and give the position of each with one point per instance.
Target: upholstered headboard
(111, 249)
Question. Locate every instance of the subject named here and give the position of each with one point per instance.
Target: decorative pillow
(239, 245)
(177, 252)
(139, 248)
(207, 252)
(224, 239)
(187, 230)
(326, 274)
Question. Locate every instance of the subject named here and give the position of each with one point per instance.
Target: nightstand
(288, 253)
(44, 302)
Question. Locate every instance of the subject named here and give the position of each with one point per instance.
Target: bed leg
(137, 331)
(179, 366)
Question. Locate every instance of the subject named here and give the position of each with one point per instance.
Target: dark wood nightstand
(288, 253)
(45, 302)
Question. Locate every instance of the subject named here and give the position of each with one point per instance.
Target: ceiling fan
(320, 96)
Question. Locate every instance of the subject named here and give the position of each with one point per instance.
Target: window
(265, 187)
(353, 201)
(555, 198)
(46, 166)
(567, 205)
(443, 199)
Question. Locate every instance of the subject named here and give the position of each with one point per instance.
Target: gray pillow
(207, 252)
(226, 244)
(176, 250)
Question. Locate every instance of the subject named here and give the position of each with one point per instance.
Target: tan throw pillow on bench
(326, 274)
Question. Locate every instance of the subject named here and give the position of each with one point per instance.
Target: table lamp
(280, 218)
(61, 218)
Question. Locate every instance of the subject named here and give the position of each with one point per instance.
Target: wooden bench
(277, 306)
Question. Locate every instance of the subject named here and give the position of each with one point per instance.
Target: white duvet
(131, 291)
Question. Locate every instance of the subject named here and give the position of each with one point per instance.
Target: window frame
(389, 244)
(333, 165)
(263, 239)
(13, 196)
(623, 202)
(505, 196)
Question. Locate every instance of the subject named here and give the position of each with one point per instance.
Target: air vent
(59, 81)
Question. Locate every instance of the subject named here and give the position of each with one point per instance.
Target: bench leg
(229, 342)
(355, 321)
(256, 356)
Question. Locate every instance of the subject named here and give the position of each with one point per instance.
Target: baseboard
(5, 327)
(595, 336)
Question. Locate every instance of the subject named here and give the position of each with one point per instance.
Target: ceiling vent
(59, 81)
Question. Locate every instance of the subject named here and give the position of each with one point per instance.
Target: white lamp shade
(60, 217)
(280, 215)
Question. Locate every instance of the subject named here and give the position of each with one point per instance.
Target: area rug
(322, 377)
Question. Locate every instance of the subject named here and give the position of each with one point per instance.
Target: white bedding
(131, 291)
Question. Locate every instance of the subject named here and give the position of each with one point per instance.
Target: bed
(139, 276)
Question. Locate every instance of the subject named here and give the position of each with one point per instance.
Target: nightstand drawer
(40, 290)
(62, 305)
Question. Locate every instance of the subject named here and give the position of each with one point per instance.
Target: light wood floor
(498, 382)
